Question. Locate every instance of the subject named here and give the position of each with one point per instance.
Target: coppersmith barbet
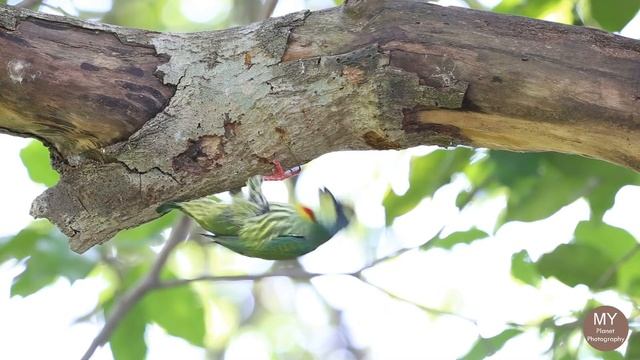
(254, 227)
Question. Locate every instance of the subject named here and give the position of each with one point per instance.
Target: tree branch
(427, 309)
(164, 117)
(301, 274)
(304, 275)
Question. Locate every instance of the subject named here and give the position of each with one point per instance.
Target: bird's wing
(281, 220)
(221, 218)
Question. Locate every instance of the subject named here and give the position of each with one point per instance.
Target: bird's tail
(168, 206)
(197, 206)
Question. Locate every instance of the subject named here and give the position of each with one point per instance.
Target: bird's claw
(280, 174)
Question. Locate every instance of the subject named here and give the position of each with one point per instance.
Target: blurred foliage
(633, 350)
(44, 254)
(36, 159)
(486, 347)
(534, 186)
(427, 174)
(460, 237)
(179, 311)
(167, 15)
(143, 236)
(523, 269)
(575, 264)
(611, 15)
(127, 341)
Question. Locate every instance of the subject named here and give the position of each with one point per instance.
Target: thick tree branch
(138, 118)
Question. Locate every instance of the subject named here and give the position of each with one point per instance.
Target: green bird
(254, 227)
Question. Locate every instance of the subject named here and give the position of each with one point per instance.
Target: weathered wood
(138, 118)
(78, 89)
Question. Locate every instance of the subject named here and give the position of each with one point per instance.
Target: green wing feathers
(221, 218)
(280, 220)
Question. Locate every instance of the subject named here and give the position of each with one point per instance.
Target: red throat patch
(309, 213)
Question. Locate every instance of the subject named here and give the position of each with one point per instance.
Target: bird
(253, 226)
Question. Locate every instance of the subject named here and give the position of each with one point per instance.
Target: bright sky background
(41, 326)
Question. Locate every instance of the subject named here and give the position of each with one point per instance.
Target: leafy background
(491, 254)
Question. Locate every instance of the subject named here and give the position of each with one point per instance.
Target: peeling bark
(137, 118)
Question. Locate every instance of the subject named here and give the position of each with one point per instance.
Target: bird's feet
(280, 174)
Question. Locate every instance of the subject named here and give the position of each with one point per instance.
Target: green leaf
(127, 341)
(459, 237)
(560, 10)
(145, 234)
(629, 274)
(540, 184)
(23, 243)
(523, 269)
(561, 335)
(47, 257)
(542, 196)
(603, 179)
(43, 268)
(612, 355)
(428, 173)
(35, 158)
(617, 244)
(536, 189)
(179, 311)
(486, 347)
(612, 241)
(633, 349)
(463, 198)
(480, 169)
(147, 14)
(511, 167)
(613, 15)
(575, 264)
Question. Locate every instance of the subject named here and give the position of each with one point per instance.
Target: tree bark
(137, 118)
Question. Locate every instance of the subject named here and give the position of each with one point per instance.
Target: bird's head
(332, 215)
